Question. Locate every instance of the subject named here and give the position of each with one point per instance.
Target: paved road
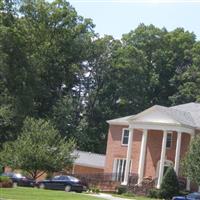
(108, 197)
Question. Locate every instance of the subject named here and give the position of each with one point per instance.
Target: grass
(21, 193)
(133, 197)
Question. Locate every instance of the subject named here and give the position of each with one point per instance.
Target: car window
(66, 178)
(17, 176)
(71, 178)
(56, 178)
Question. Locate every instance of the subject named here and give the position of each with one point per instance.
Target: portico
(156, 119)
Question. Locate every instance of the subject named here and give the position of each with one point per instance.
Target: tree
(191, 162)
(170, 184)
(38, 149)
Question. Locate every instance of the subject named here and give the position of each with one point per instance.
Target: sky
(116, 17)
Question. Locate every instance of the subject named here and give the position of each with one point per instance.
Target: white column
(128, 156)
(142, 156)
(162, 159)
(178, 149)
(188, 180)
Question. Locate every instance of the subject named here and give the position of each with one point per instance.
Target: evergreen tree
(170, 184)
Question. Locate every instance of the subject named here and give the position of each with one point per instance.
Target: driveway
(107, 196)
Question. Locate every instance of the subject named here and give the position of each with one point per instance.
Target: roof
(185, 114)
(193, 109)
(121, 120)
(89, 159)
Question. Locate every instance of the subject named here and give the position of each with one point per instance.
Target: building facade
(147, 143)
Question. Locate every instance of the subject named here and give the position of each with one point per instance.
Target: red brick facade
(154, 142)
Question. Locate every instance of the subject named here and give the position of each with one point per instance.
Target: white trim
(162, 126)
(115, 170)
(167, 163)
(122, 138)
(128, 157)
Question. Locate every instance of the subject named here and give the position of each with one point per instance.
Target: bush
(1, 169)
(121, 189)
(4, 179)
(170, 184)
(154, 193)
(5, 182)
(94, 190)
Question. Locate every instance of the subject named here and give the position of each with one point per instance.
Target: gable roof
(193, 109)
(185, 114)
(89, 159)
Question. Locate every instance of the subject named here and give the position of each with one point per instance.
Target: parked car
(19, 180)
(66, 183)
(191, 196)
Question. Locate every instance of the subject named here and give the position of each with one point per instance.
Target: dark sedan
(191, 196)
(20, 180)
(66, 183)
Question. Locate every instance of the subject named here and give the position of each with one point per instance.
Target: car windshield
(71, 178)
(194, 195)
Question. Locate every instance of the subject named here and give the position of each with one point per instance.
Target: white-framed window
(119, 169)
(169, 139)
(125, 136)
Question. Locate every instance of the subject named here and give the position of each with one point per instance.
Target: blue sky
(116, 17)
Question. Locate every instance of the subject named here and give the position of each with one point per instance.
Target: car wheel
(41, 186)
(67, 188)
(14, 184)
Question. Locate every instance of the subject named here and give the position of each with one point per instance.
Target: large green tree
(42, 48)
(38, 150)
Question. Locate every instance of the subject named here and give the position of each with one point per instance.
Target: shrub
(170, 184)
(5, 182)
(121, 189)
(154, 193)
(94, 189)
(1, 169)
(4, 179)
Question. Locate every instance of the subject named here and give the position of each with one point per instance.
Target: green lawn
(134, 197)
(21, 193)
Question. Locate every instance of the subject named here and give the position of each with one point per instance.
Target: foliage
(4, 179)
(154, 193)
(54, 66)
(191, 162)
(5, 182)
(170, 185)
(38, 149)
(1, 168)
(121, 189)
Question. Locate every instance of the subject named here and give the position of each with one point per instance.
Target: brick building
(147, 143)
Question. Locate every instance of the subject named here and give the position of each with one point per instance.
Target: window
(169, 140)
(125, 136)
(119, 169)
